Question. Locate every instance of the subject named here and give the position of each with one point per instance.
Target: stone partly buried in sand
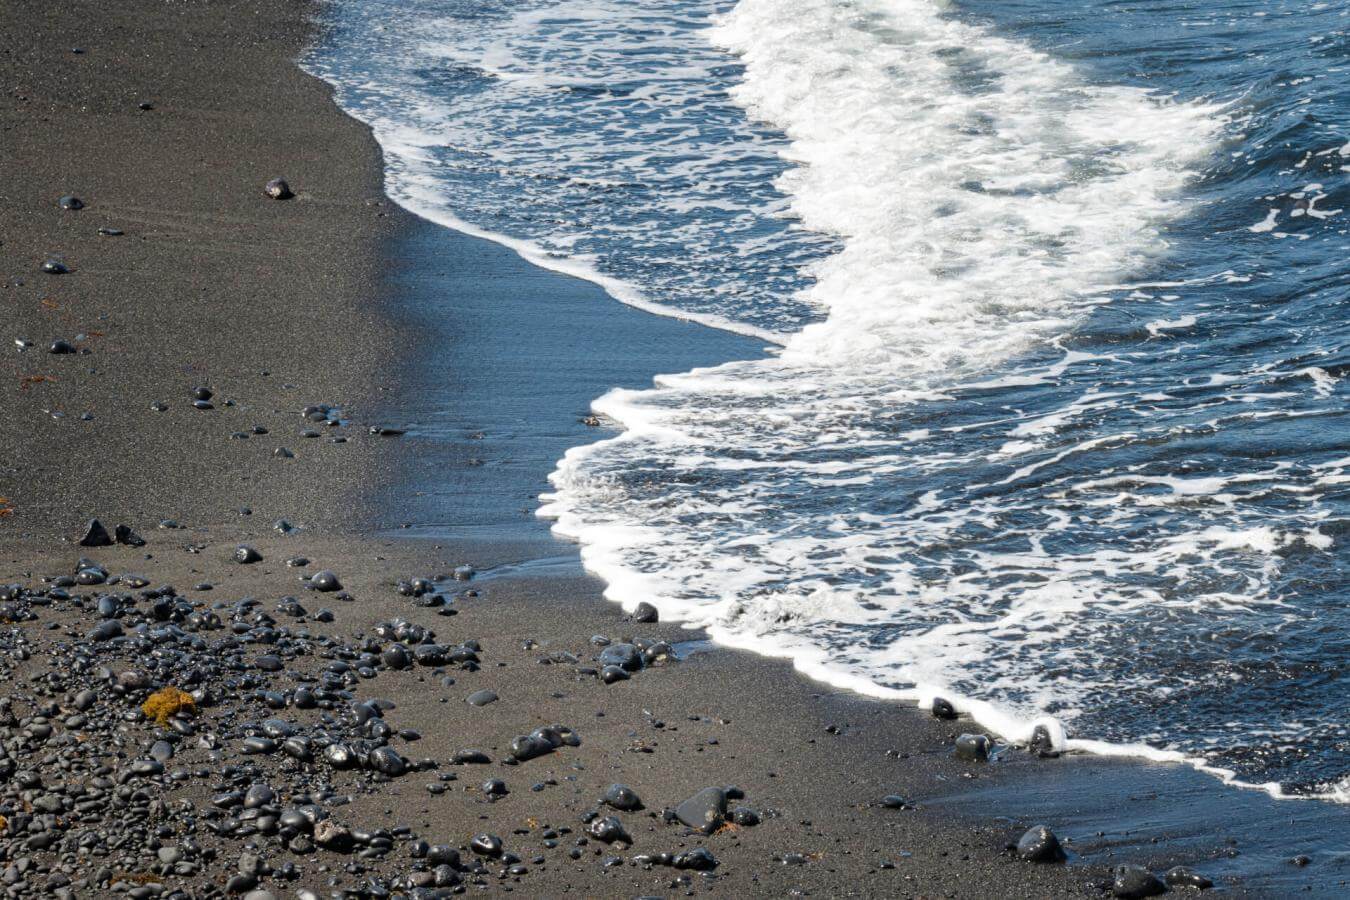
(1135, 882)
(705, 811)
(973, 747)
(278, 189)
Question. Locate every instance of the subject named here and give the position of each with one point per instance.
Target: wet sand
(279, 305)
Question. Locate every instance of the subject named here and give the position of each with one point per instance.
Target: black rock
(124, 535)
(1180, 876)
(943, 709)
(495, 787)
(106, 631)
(705, 811)
(609, 829)
(111, 232)
(1039, 845)
(528, 746)
(384, 431)
(893, 801)
(278, 189)
(625, 656)
(974, 747)
(622, 797)
(486, 845)
(95, 535)
(1042, 744)
(471, 757)
(55, 267)
(1301, 860)
(745, 817)
(245, 554)
(325, 581)
(70, 201)
(395, 656)
(1134, 882)
(645, 613)
(388, 761)
(697, 859)
(61, 348)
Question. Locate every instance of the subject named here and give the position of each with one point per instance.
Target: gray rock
(1039, 845)
(705, 811)
(622, 797)
(1181, 876)
(974, 747)
(481, 698)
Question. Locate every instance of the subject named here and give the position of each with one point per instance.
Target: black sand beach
(327, 299)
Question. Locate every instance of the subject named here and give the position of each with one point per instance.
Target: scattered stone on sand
(246, 555)
(124, 534)
(71, 202)
(622, 798)
(61, 348)
(481, 698)
(705, 811)
(107, 231)
(278, 189)
(1135, 882)
(1040, 845)
(95, 535)
(325, 581)
(54, 266)
(645, 613)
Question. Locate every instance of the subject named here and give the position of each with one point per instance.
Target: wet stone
(622, 797)
(645, 613)
(95, 535)
(1181, 876)
(325, 581)
(486, 845)
(1134, 882)
(973, 747)
(943, 709)
(1040, 845)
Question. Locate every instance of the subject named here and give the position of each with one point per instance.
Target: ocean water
(1052, 420)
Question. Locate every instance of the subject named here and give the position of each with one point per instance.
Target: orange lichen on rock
(167, 702)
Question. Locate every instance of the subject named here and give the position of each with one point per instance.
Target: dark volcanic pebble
(61, 348)
(95, 535)
(111, 232)
(698, 859)
(245, 554)
(609, 829)
(705, 811)
(943, 709)
(625, 656)
(55, 267)
(1180, 876)
(622, 797)
(70, 201)
(486, 845)
(974, 747)
(1039, 845)
(611, 674)
(325, 581)
(1135, 882)
(278, 189)
(125, 535)
(645, 613)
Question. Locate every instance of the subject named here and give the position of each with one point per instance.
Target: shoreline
(213, 283)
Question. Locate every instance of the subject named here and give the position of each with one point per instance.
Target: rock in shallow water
(943, 709)
(974, 747)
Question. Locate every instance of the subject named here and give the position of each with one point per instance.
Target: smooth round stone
(245, 555)
(325, 581)
(71, 202)
(701, 859)
(625, 656)
(481, 698)
(202, 393)
(1039, 845)
(611, 674)
(258, 795)
(645, 613)
(1135, 882)
(495, 787)
(388, 761)
(705, 811)
(973, 747)
(622, 797)
(486, 845)
(278, 189)
(269, 662)
(55, 267)
(61, 348)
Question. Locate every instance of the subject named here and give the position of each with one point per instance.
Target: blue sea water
(1054, 420)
